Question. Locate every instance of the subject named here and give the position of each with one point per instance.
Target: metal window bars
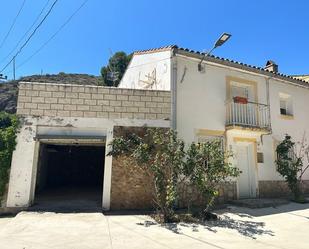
(250, 114)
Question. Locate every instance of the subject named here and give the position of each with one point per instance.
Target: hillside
(8, 96)
(8, 90)
(64, 78)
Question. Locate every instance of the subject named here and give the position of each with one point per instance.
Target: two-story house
(62, 146)
(248, 107)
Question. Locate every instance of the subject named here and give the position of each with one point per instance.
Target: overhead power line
(27, 32)
(54, 35)
(31, 35)
(13, 24)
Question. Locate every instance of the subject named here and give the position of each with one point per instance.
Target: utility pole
(14, 67)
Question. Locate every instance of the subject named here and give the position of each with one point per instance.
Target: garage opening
(70, 177)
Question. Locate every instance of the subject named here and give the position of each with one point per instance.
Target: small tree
(206, 166)
(160, 153)
(117, 64)
(290, 164)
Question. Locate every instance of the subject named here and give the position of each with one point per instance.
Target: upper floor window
(242, 90)
(286, 105)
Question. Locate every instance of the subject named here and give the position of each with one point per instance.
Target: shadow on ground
(257, 212)
(247, 228)
(244, 225)
(250, 229)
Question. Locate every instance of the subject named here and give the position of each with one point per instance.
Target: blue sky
(261, 30)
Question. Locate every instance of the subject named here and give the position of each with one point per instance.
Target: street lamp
(3, 77)
(222, 39)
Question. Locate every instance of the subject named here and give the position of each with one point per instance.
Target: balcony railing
(250, 114)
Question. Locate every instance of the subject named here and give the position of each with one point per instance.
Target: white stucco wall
(24, 166)
(156, 65)
(201, 105)
(201, 98)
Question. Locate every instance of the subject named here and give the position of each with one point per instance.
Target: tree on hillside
(114, 70)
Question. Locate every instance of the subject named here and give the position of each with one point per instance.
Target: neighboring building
(66, 129)
(301, 77)
(250, 108)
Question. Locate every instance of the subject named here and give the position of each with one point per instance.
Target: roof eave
(239, 65)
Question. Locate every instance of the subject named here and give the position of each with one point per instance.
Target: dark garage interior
(70, 177)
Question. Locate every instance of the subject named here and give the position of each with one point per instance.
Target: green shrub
(161, 154)
(290, 165)
(207, 166)
(8, 129)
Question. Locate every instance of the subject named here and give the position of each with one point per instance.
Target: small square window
(260, 157)
(286, 105)
(283, 107)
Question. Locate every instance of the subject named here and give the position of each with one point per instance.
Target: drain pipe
(174, 106)
(268, 104)
(173, 91)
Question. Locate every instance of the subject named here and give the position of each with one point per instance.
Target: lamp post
(3, 78)
(222, 39)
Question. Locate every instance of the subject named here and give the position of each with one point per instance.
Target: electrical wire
(53, 36)
(59, 30)
(31, 35)
(13, 24)
(128, 68)
(27, 32)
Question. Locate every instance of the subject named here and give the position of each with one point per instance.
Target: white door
(245, 163)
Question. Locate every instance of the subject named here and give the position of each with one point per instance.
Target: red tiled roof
(228, 62)
(155, 50)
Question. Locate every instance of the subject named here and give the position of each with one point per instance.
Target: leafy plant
(290, 164)
(206, 166)
(160, 153)
(8, 129)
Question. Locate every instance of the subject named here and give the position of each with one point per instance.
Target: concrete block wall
(64, 100)
(131, 187)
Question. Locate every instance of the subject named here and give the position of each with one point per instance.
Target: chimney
(271, 66)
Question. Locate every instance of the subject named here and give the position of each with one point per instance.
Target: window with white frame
(207, 138)
(286, 105)
(242, 90)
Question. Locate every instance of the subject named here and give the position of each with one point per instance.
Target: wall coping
(90, 86)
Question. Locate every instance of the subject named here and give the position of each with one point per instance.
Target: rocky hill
(64, 78)
(9, 90)
(8, 96)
